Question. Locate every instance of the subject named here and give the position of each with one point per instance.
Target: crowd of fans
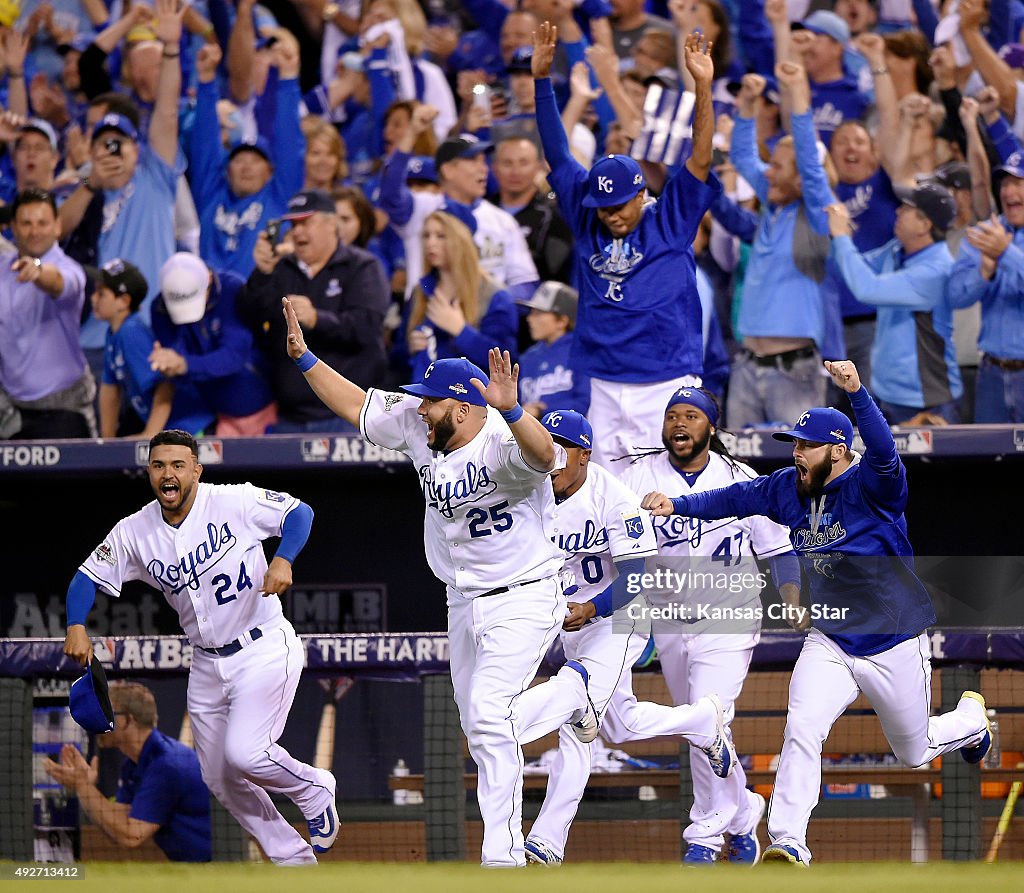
(838, 180)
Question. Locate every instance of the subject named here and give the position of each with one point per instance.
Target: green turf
(592, 878)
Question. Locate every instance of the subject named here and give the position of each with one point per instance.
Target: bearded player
(605, 538)
(870, 611)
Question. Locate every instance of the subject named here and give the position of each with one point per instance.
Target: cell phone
(482, 97)
(274, 231)
(113, 147)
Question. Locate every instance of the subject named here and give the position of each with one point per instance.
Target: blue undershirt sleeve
(295, 532)
(617, 595)
(80, 599)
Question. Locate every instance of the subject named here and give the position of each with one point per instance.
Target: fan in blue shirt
(868, 608)
(161, 794)
(546, 374)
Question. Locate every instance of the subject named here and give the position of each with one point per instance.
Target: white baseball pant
(627, 417)
(238, 706)
(695, 665)
(826, 680)
(496, 644)
(608, 650)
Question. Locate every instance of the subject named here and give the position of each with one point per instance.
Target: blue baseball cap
(89, 700)
(828, 23)
(421, 167)
(446, 379)
(1014, 166)
(569, 426)
(112, 121)
(260, 145)
(613, 180)
(823, 424)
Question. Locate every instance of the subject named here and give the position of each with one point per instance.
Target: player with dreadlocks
(710, 583)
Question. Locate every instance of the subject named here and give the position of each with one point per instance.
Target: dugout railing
(871, 808)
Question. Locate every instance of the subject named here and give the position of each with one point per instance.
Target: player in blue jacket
(868, 609)
(638, 334)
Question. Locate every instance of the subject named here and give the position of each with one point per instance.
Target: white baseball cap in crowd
(184, 281)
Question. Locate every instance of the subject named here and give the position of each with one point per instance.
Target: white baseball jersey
(503, 249)
(490, 517)
(209, 568)
(723, 546)
(601, 522)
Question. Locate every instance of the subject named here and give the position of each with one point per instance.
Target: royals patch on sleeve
(104, 553)
(634, 525)
(273, 496)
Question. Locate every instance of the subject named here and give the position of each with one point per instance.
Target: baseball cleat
(782, 855)
(699, 855)
(585, 728)
(745, 849)
(721, 753)
(324, 828)
(976, 753)
(538, 853)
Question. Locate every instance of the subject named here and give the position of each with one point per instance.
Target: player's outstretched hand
(278, 578)
(698, 59)
(296, 343)
(658, 504)
(577, 616)
(77, 645)
(503, 391)
(545, 38)
(844, 374)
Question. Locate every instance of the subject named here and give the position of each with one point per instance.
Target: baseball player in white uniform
(605, 538)
(201, 546)
(483, 467)
(700, 649)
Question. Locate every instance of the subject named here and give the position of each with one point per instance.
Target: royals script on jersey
(209, 567)
(490, 517)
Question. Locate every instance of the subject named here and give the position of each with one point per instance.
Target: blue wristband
(307, 361)
(512, 415)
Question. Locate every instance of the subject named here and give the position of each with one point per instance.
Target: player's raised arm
(701, 69)
(343, 397)
(502, 393)
(739, 500)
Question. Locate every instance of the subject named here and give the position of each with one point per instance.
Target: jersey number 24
(222, 583)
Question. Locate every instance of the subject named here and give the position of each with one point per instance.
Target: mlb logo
(211, 452)
(634, 526)
(919, 442)
(316, 449)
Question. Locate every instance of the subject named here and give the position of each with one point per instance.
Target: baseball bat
(185, 736)
(1004, 821)
(334, 689)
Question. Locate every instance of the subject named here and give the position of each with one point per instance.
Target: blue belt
(233, 647)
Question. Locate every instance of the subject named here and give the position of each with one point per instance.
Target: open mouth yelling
(803, 473)
(680, 440)
(170, 490)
